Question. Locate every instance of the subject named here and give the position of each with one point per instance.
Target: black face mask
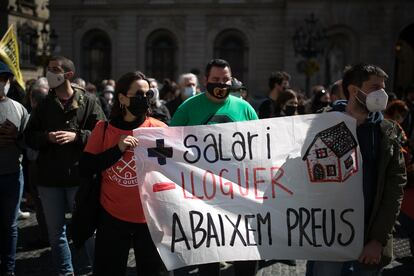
(218, 90)
(290, 110)
(138, 105)
(318, 106)
(301, 109)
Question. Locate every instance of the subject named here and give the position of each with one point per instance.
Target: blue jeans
(352, 268)
(11, 189)
(56, 201)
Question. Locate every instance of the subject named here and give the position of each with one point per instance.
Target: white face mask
(189, 91)
(376, 100)
(55, 80)
(108, 96)
(4, 88)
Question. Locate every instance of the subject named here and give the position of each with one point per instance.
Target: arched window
(336, 57)
(404, 60)
(339, 52)
(231, 45)
(96, 56)
(161, 51)
(335, 62)
(28, 44)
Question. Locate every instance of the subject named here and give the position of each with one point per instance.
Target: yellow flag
(9, 54)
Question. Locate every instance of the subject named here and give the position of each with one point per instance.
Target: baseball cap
(5, 69)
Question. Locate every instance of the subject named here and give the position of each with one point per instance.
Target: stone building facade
(30, 20)
(164, 38)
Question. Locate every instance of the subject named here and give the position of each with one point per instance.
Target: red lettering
(275, 178)
(246, 188)
(227, 183)
(192, 186)
(227, 187)
(258, 181)
(205, 184)
(183, 187)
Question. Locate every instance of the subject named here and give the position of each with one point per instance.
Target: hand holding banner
(281, 188)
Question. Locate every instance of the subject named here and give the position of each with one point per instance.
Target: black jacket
(391, 177)
(268, 109)
(58, 164)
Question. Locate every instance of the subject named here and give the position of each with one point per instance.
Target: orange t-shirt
(119, 191)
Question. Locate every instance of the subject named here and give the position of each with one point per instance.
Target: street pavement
(38, 262)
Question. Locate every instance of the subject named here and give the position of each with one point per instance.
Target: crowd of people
(62, 128)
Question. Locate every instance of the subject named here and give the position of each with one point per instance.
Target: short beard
(361, 105)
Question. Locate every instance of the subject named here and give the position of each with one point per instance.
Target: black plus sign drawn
(160, 152)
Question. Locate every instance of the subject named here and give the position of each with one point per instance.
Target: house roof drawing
(337, 138)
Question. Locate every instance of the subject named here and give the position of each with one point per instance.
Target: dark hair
(29, 86)
(392, 97)
(277, 78)
(91, 88)
(359, 73)
(316, 101)
(38, 94)
(318, 89)
(216, 63)
(66, 63)
(122, 86)
(284, 97)
(335, 89)
(394, 107)
(168, 89)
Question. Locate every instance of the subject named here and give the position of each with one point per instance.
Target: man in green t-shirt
(213, 107)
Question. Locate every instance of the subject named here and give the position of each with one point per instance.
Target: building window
(335, 62)
(321, 153)
(404, 60)
(331, 170)
(340, 51)
(96, 56)
(232, 46)
(318, 172)
(28, 37)
(161, 51)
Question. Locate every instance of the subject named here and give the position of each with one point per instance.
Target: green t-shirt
(199, 110)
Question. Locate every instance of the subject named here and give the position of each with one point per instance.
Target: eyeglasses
(140, 94)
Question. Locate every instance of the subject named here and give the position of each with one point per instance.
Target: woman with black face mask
(287, 103)
(321, 100)
(110, 150)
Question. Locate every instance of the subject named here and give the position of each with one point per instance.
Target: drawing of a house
(332, 155)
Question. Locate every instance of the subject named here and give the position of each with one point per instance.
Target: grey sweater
(10, 155)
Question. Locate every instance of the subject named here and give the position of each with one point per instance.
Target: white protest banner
(281, 188)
